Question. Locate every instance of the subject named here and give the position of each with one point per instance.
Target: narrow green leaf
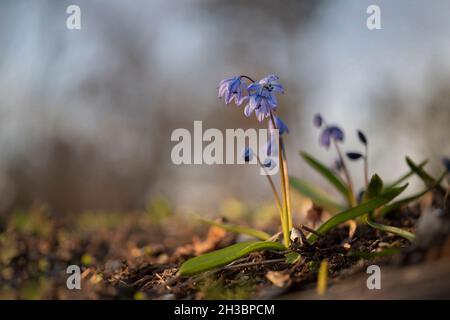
(405, 176)
(426, 178)
(316, 195)
(397, 231)
(238, 229)
(374, 188)
(357, 211)
(328, 174)
(397, 204)
(225, 256)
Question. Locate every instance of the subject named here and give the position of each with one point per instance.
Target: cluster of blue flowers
(261, 99)
(260, 96)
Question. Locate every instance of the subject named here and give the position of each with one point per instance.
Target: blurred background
(86, 115)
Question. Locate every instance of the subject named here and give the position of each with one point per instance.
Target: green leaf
(225, 256)
(406, 175)
(397, 204)
(238, 229)
(292, 257)
(315, 194)
(397, 231)
(357, 211)
(328, 174)
(374, 188)
(426, 178)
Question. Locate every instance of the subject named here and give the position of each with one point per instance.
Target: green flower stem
(351, 195)
(286, 181)
(285, 220)
(366, 167)
(274, 189)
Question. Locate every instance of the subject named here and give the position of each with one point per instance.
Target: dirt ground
(127, 257)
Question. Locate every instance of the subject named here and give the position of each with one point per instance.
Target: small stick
(164, 281)
(366, 167)
(250, 264)
(346, 173)
(310, 230)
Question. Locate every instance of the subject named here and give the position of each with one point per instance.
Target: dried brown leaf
(279, 278)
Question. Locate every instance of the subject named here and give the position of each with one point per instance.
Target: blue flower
(318, 120)
(233, 88)
(272, 144)
(337, 133)
(331, 132)
(269, 164)
(262, 97)
(281, 126)
(270, 83)
(247, 154)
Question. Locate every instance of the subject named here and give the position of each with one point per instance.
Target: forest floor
(133, 257)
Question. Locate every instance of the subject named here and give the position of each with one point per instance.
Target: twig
(310, 230)
(251, 264)
(164, 281)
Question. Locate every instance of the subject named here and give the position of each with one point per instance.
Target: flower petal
(337, 133)
(254, 87)
(281, 126)
(325, 138)
(248, 110)
(272, 100)
(276, 87)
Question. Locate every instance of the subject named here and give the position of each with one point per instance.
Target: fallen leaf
(279, 278)
(215, 235)
(314, 214)
(198, 246)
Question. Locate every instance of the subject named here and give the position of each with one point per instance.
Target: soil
(129, 261)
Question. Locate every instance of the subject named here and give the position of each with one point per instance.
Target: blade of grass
(426, 178)
(406, 175)
(357, 211)
(237, 229)
(322, 278)
(374, 189)
(328, 174)
(315, 194)
(394, 230)
(225, 256)
(397, 204)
